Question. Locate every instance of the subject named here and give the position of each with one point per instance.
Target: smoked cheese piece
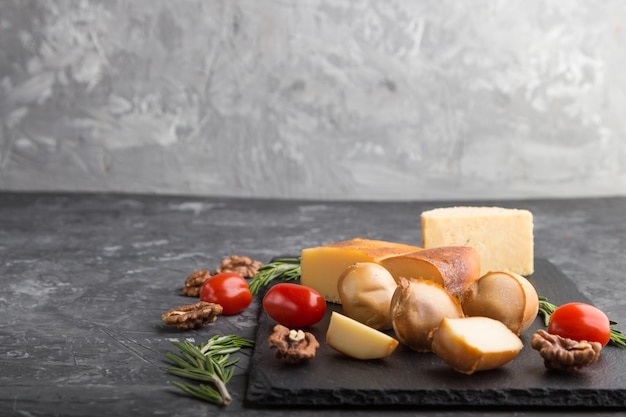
(454, 268)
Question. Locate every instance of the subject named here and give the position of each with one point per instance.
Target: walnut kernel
(192, 316)
(194, 282)
(293, 345)
(241, 265)
(565, 354)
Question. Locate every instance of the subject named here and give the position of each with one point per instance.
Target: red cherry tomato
(580, 321)
(294, 305)
(228, 289)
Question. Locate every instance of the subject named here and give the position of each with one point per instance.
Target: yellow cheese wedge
(503, 237)
(358, 340)
(453, 267)
(323, 265)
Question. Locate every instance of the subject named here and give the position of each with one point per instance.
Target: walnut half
(241, 265)
(565, 354)
(194, 282)
(192, 316)
(293, 345)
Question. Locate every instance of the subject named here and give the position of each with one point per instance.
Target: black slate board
(408, 378)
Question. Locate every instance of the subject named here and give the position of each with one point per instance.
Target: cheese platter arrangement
(407, 378)
(484, 258)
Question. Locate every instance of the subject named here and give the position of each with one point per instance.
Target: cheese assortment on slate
(503, 237)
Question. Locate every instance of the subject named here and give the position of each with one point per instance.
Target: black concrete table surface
(85, 278)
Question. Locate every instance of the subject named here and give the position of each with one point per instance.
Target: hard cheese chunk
(358, 340)
(322, 266)
(502, 237)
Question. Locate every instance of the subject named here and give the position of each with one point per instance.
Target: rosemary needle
(284, 269)
(208, 363)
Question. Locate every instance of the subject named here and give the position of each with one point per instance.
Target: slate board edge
(532, 398)
(260, 393)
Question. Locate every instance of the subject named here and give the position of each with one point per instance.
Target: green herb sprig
(284, 269)
(546, 309)
(617, 336)
(210, 363)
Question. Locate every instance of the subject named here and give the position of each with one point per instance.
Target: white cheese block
(502, 237)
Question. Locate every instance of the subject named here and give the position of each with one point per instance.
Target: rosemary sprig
(284, 269)
(210, 362)
(617, 336)
(546, 309)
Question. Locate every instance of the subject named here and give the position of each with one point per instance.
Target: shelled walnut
(194, 282)
(192, 316)
(241, 265)
(565, 354)
(293, 345)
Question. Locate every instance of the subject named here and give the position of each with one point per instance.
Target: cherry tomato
(580, 321)
(228, 289)
(294, 305)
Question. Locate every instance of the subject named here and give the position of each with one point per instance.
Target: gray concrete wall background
(314, 99)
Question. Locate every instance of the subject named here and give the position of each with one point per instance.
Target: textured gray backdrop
(326, 99)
